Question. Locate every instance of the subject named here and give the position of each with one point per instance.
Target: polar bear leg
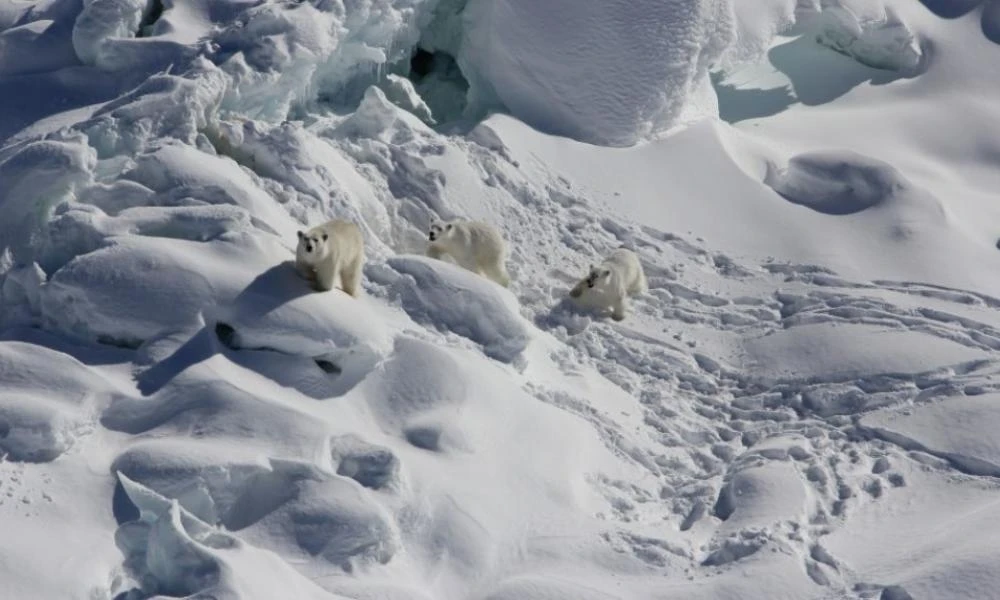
(495, 271)
(640, 285)
(350, 277)
(618, 309)
(305, 271)
(435, 251)
(325, 275)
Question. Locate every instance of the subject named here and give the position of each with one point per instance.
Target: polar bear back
(344, 242)
(624, 266)
(475, 242)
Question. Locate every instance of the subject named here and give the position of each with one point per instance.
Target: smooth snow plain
(802, 406)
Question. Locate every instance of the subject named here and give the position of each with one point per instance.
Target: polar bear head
(597, 275)
(440, 230)
(313, 246)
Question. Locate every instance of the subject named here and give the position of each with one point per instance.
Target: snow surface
(803, 405)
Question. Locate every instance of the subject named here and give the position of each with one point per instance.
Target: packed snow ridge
(800, 404)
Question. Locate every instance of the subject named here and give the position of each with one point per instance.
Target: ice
(608, 73)
(871, 34)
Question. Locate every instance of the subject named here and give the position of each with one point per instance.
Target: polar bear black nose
(309, 248)
(432, 236)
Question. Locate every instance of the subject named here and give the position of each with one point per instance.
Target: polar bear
(331, 251)
(610, 283)
(476, 246)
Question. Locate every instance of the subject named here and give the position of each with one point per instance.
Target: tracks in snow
(713, 418)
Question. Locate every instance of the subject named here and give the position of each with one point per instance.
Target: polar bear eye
(449, 227)
(300, 234)
(607, 273)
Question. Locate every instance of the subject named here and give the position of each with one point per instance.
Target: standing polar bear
(610, 283)
(475, 246)
(331, 251)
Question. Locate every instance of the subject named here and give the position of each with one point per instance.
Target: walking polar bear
(610, 283)
(331, 253)
(475, 246)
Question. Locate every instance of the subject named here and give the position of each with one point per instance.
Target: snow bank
(448, 297)
(419, 394)
(45, 402)
(38, 38)
(869, 32)
(960, 430)
(38, 176)
(103, 21)
(172, 552)
(279, 311)
(603, 72)
(850, 351)
(135, 288)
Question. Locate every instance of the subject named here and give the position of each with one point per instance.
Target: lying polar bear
(609, 284)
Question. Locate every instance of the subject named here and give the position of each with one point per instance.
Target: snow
(609, 73)
(803, 404)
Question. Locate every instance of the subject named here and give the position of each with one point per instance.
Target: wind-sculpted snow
(607, 73)
(47, 401)
(454, 299)
(872, 35)
(172, 552)
(808, 382)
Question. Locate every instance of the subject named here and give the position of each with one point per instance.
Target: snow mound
(758, 496)
(849, 351)
(46, 403)
(38, 39)
(869, 32)
(372, 466)
(155, 274)
(37, 176)
(326, 515)
(605, 72)
(448, 297)
(419, 394)
(170, 552)
(103, 21)
(836, 183)
(960, 430)
(20, 295)
(279, 311)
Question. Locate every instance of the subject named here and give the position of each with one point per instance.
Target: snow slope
(801, 407)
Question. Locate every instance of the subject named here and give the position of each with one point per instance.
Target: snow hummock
(608, 73)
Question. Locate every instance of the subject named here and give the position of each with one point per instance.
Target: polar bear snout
(437, 230)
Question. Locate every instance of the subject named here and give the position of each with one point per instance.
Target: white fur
(609, 284)
(475, 246)
(332, 254)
